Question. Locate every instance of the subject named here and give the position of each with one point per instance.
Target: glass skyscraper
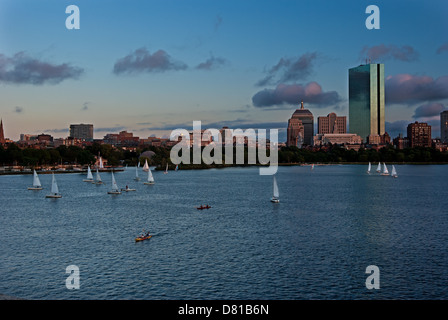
(366, 100)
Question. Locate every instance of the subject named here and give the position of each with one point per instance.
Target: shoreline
(200, 167)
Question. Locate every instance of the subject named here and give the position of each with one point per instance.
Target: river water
(331, 223)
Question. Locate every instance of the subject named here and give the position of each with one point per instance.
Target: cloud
(111, 129)
(397, 127)
(141, 60)
(383, 52)
(442, 48)
(406, 88)
(292, 94)
(23, 69)
(218, 22)
(289, 69)
(18, 109)
(429, 110)
(85, 106)
(211, 63)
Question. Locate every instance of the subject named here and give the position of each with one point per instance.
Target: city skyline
(150, 67)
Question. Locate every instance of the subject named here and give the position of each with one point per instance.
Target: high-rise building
(300, 128)
(81, 131)
(444, 126)
(331, 124)
(366, 100)
(2, 134)
(419, 134)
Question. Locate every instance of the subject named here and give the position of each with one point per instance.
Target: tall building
(331, 124)
(300, 128)
(2, 134)
(366, 100)
(419, 134)
(444, 126)
(81, 131)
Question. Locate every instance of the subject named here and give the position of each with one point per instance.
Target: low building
(337, 138)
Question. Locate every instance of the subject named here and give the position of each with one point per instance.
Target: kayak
(142, 238)
(201, 208)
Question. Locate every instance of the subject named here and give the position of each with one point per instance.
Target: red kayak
(142, 238)
(202, 207)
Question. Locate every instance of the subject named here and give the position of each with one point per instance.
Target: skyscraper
(366, 100)
(82, 131)
(300, 128)
(2, 135)
(444, 126)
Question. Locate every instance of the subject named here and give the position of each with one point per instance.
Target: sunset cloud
(312, 93)
(406, 88)
(386, 52)
(23, 69)
(141, 60)
(289, 69)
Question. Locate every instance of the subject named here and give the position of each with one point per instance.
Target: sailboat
(54, 193)
(115, 189)
(150, 178)
(97, 178)
(378, 169)
(275, 196)
(312, 166)
(385, 171)
(166, 169)
(36, 182)
(89, 175)
(369, 168)
(394, 172)
(137, 178)
(101, 163)
(177, 167)
(146, 166)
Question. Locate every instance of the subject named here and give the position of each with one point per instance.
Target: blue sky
(152, 66)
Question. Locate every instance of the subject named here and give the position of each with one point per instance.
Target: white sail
(394, 172)
(89, 173)
(166, 169)
(114, 183)
(36, 181)
(146, 166)
(101, 163)
(136, 174)
(385, 171)
(369, 168)
(378, 169)
(275, 187)
(54, 185)
(150, 177)
(98, 178)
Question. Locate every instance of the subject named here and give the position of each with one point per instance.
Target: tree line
(14, 155)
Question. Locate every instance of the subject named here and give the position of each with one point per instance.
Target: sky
(152, 66)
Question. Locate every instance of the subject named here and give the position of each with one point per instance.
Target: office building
(444, 126)
(2, 134)
(419, 134)
(82, 131)
(300, 128)
(331, 124)
(366, 100)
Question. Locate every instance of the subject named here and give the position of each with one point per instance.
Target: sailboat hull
(114, 192)
(35, 188)
(148, 183)
(275, 200)
(54, 196)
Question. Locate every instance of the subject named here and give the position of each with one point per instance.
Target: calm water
(331, 224)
